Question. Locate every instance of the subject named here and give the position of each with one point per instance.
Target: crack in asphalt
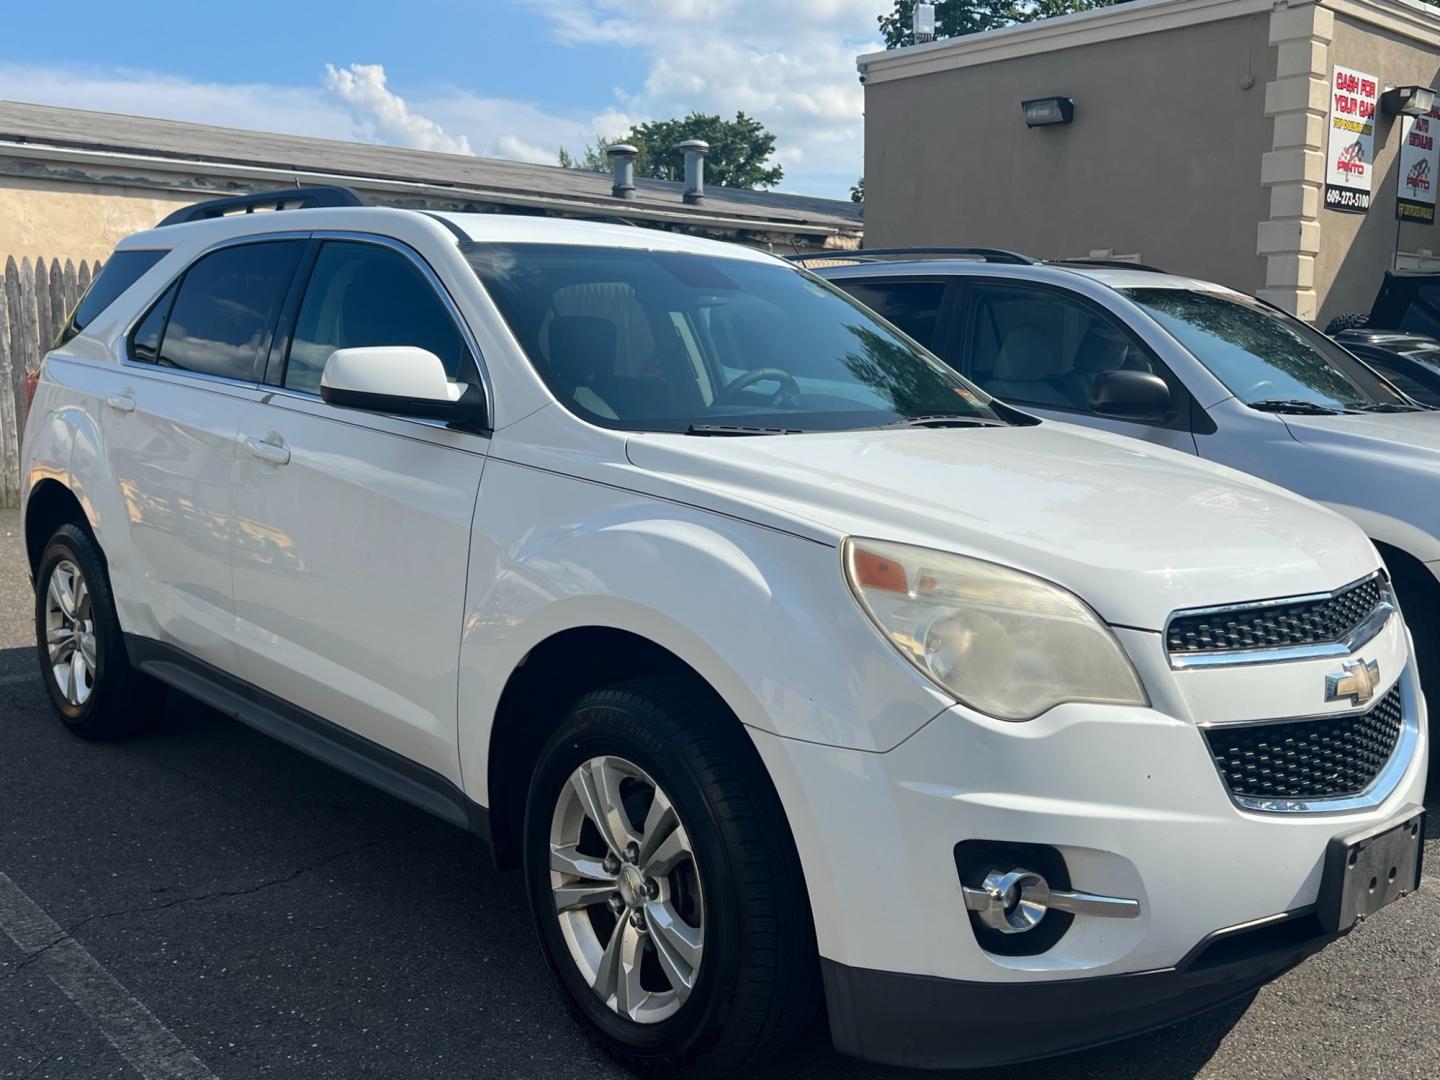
(220, 894)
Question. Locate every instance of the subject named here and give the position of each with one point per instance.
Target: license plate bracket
(1367, 869)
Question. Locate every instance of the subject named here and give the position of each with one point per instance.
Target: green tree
(857, 191)
(592, 158)
(956, 18)
(740, 151)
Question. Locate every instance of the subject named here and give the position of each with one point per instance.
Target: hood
(1413, 435)
(1379, 469)
(1136, 531)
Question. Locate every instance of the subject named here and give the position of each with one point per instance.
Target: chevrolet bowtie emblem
(1357, 682)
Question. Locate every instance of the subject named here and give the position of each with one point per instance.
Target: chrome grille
(1314, 620)
(1321, 758)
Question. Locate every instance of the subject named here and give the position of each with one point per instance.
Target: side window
(1422, 313)
(1039, 347)
(913, 306)
(122, 270)
(361, 295)
(222, 311)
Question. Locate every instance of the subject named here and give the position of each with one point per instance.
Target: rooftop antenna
(923, 24)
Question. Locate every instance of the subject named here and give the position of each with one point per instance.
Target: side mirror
(402, 381)
(1130, 395)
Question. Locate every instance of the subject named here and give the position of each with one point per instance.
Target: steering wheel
(788, 385)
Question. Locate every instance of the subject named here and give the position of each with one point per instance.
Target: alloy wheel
(70, 632)
(627, 889)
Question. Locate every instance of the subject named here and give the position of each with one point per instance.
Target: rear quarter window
(120, 271)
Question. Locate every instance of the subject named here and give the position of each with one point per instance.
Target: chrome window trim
(183, 375)
(1360, 636)
(357, 417)
(173, 376)
(1386, 781)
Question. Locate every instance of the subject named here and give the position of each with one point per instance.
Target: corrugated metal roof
(78, 129)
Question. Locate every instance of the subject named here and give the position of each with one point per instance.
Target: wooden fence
(35, 300)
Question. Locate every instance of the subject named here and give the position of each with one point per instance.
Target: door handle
(121, 403)
(268, 451)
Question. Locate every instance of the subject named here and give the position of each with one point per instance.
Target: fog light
(1014, 901)
(1011, 902)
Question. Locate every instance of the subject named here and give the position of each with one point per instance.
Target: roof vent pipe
(695, 151)
(622, 165)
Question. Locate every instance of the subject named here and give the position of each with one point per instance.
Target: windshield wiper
(1294, 405)
(1389, 407)
(739, 429)
(946, 420)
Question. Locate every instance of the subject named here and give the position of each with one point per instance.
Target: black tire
(1354, 321)
(1419, 597)
(121, 699)
(757, 985)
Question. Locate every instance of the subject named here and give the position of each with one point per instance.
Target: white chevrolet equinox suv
(791, 668)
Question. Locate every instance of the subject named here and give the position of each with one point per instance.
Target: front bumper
(922, 1022)
(1132, 801)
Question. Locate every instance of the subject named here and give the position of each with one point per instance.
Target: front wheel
(664, 883)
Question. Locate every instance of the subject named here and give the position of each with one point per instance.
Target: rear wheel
(83, 661)
(664, 883)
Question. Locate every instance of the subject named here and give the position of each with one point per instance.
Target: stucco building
(1198, 141)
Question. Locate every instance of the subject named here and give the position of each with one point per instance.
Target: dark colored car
(1410, 361)
(1408, 300)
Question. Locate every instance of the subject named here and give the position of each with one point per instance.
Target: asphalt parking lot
(201, 902)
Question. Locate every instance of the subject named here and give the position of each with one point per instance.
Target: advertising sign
(1416, 197)
(1350, 159)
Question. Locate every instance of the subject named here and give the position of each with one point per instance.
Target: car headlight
(1003, 642)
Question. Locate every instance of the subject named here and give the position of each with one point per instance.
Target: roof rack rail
(300, 198)
(1109, 264)
(995, 255)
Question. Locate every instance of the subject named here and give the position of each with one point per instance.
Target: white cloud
(384, 114)
(789, 65)
(339, 106)
(519, 130)
(517, 149)
(252, 106)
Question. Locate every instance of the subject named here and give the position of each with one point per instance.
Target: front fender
(1407, 537)
(765, 617)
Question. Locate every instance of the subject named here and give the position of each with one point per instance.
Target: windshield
(1266, 358)
(1429, 355)
(658, 341)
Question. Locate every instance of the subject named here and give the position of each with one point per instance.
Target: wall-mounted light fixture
(1407, 100)
(1040, 112)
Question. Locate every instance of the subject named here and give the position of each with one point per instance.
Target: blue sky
(510, 78)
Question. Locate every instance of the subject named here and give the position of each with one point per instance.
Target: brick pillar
(1294, 170)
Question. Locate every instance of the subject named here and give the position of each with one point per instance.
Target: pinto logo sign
(1354, 97)
(1415, 201)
